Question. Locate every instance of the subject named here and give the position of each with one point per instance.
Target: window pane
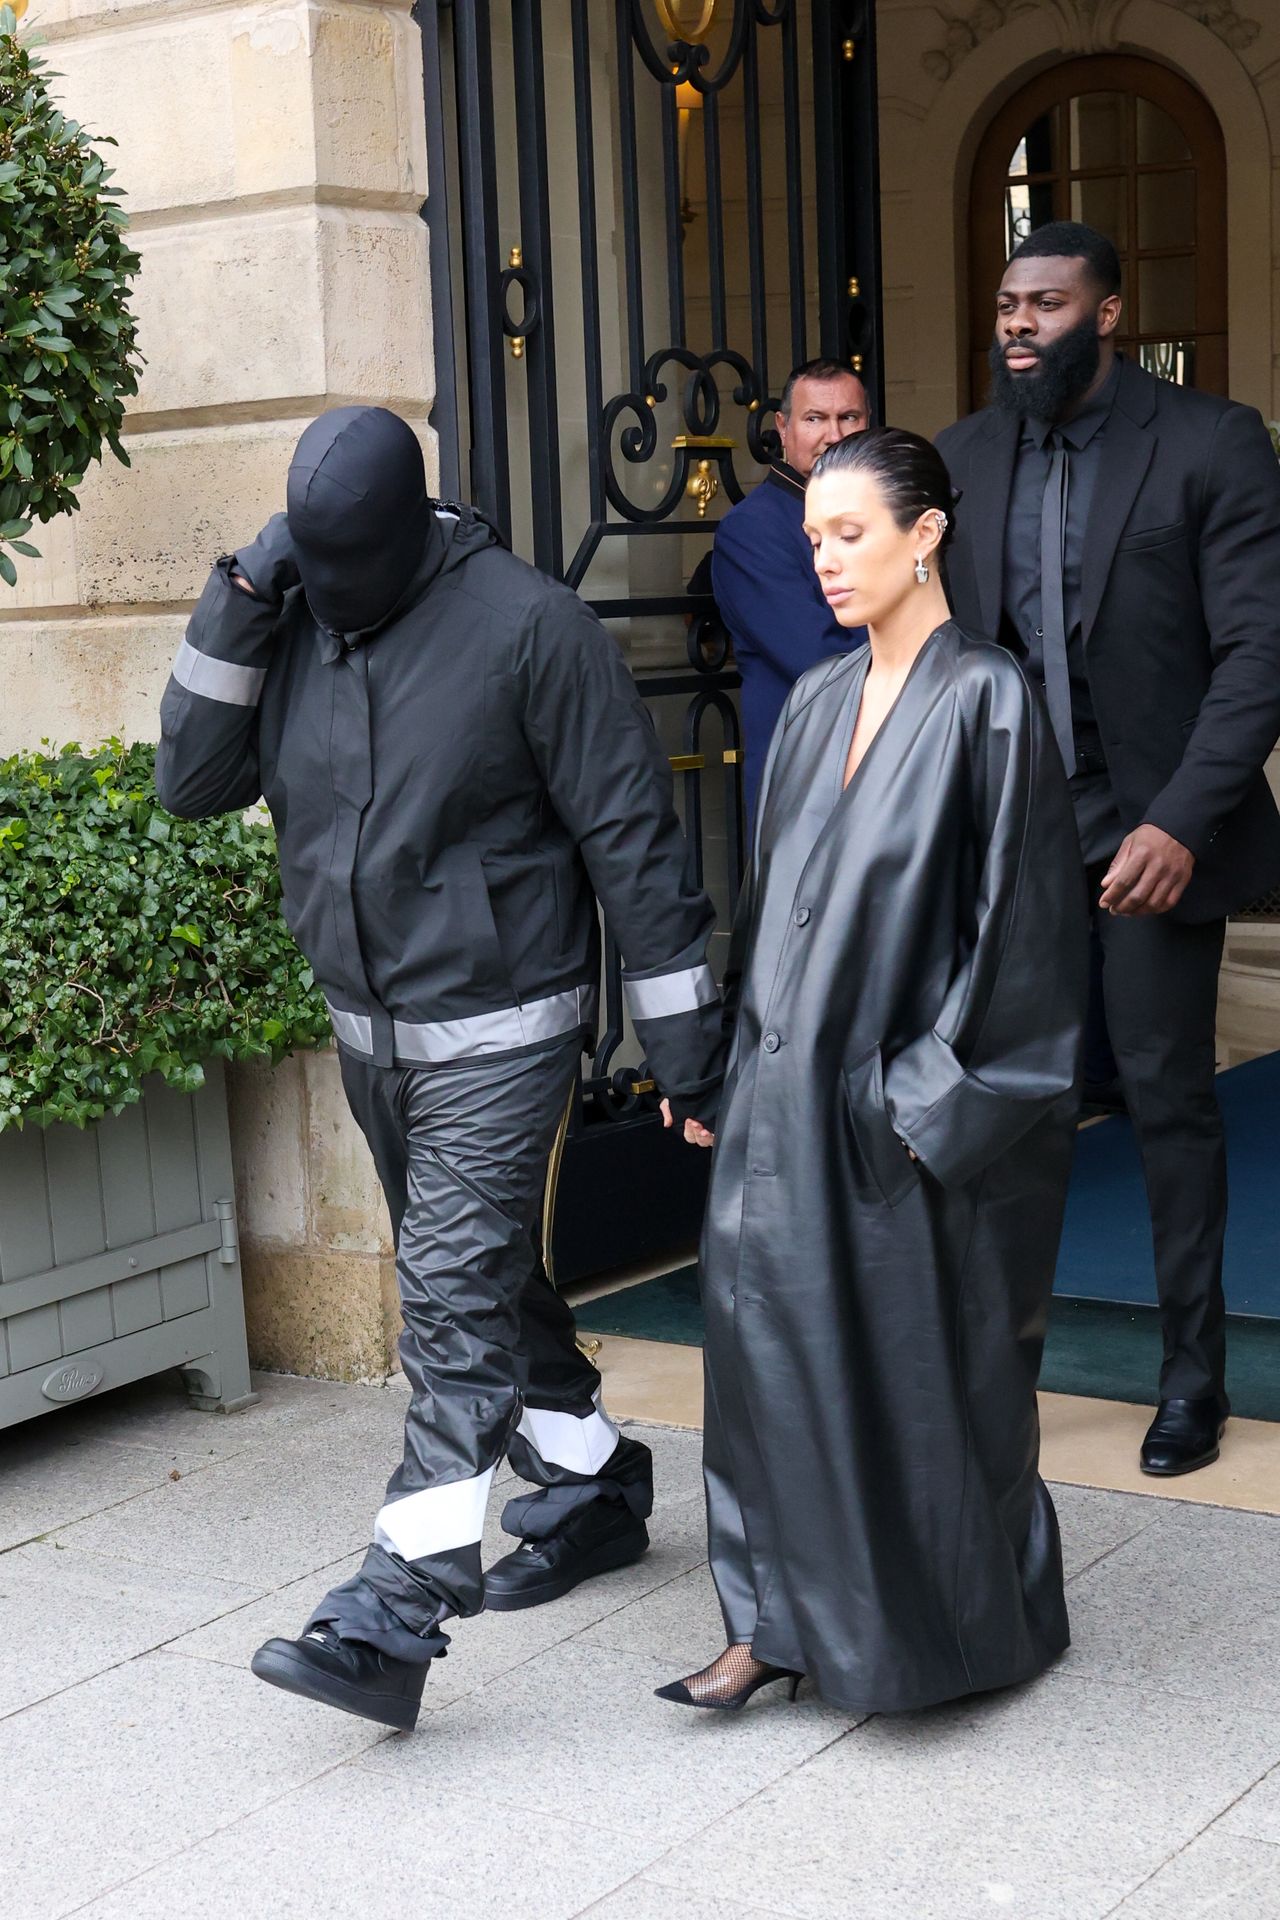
(1026, 207)
(1166, 209)
(1167, 296)
(1159, 137)
(1103, 204)
(1017, 215)
(1099, 130)
(1038, 141)
(1170, 360)
(1018, 164)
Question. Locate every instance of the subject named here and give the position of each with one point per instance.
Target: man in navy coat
(762, 565)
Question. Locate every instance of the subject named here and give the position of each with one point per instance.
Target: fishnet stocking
(736, 1668)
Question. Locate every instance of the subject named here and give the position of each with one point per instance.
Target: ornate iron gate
(642, 214)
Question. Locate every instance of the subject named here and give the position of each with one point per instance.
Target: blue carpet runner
(1106, 1242)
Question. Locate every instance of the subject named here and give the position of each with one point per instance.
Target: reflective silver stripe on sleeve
(671, 993)
(218, 679)
(434, 1042)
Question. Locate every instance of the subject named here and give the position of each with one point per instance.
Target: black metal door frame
(615, 1150)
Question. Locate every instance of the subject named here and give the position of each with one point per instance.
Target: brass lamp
(687, 20)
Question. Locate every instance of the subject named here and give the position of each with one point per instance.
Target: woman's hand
(694, 1132)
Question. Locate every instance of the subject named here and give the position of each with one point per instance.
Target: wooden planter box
(118, 1255)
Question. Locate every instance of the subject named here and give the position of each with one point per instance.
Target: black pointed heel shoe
(710, 1688)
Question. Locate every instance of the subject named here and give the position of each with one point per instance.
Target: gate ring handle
(516, 274)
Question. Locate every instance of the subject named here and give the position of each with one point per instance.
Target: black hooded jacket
(458, 766)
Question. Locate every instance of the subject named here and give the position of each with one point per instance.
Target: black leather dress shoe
(345, 1674)
(1183, 1436)
(595, 1539)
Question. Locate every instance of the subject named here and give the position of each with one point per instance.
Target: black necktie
(1057, 676)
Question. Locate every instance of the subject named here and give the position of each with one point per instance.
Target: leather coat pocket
(883, 1169)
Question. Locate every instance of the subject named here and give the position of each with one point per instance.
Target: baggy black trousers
(488, 1346)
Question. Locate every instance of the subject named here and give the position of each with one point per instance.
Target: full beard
(1064, 371)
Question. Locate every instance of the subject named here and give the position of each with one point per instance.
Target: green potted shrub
(68, 352)
(138, 953)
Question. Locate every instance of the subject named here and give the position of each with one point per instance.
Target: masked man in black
(458, 767)
(1122, 534)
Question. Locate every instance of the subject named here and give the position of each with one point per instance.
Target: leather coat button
(803, 916)
(772, 1042)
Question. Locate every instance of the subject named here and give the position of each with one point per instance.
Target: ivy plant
(68, 352)
(132, 942)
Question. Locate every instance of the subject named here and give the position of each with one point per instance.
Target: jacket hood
(359, 516)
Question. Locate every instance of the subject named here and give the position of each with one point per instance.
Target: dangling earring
(922, 571)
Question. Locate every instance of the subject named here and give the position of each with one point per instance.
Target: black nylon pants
(1160, 985)
(488, 1346)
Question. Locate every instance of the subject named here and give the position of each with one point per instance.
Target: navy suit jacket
(767, 591)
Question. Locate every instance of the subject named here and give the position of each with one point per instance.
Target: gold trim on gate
(703, 483)
(516, 340)
(552, 1188)
(688, 762)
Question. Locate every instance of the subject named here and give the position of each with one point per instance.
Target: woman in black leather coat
(909, 977)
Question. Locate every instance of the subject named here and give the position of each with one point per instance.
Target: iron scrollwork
(689, 391)
(700, 414)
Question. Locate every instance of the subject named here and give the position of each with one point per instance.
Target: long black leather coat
(913, 968)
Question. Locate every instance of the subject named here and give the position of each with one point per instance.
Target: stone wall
(273, 154)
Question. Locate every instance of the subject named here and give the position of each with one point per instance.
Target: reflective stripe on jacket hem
(668, 993)
(218, 679)
(435, 1041)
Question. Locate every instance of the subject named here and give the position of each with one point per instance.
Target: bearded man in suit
(1122, 535)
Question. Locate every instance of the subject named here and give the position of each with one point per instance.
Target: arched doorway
(1131, 148)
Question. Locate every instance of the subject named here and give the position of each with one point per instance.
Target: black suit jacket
(1180, 614)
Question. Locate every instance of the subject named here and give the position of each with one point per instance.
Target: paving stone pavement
(145, 1550)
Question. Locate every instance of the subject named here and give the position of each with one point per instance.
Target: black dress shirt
(1084, 437)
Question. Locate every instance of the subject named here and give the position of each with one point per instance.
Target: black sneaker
(344, 1674)
(596, 1539)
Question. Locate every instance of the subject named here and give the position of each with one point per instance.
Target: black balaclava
(359, 515)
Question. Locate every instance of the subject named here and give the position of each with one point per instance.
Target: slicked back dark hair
(816, 370)
(909, 471)
(1068, 240)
